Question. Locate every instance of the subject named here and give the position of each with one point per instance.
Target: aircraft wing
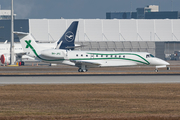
(78, 63)
(20, 54)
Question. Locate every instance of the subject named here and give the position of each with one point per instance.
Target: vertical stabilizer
(68, 38)
(28, 43)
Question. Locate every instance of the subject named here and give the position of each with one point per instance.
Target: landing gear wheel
(85, 70)
(81, 70)
(168, 68)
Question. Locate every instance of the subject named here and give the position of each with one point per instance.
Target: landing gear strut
(156, 70)
(83, 68)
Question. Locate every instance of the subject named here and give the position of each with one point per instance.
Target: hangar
(158, 36)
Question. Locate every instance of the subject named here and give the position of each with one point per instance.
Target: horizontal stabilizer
(20, 33)
(72, 47)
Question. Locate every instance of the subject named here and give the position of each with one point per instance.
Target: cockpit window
(149, 55)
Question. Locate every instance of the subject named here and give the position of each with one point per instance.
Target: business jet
(65, 54)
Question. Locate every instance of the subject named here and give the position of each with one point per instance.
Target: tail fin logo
(28, 43)
(69, 36)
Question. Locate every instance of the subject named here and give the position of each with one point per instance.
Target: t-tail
(68, 38)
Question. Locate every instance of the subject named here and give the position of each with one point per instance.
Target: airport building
(149, 12)
(6, 15)
(161, 37)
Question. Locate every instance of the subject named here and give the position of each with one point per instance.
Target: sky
(85, 9)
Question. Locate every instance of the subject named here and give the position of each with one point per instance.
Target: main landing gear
(82, 70)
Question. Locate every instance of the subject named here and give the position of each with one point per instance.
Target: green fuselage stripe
(146, 62)
(38, 55)
(111, 58)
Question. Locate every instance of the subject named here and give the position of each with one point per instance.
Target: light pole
(171, 5)
(12, 36)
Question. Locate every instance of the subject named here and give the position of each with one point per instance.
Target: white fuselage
(5, 48)
(100, 58)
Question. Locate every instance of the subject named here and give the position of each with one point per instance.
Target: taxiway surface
(62, 74)
(91, 79)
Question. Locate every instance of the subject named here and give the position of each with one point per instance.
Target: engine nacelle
(5, 59)
(53, 53)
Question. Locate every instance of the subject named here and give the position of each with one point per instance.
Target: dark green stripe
(28, 43)
(146, 62)
(109, 58)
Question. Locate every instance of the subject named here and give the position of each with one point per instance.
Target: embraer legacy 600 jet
(65, 54)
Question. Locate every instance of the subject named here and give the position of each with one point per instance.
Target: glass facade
(120, 15)
(21, 25)
(141, 14)
(162, 15)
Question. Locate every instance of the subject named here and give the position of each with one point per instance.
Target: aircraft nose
(157, 61)
(166, 63)
(162, 62)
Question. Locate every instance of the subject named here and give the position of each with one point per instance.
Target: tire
(79, 70)
(168, 68)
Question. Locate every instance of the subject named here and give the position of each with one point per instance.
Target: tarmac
(64, 70)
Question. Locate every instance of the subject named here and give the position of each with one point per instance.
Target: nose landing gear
(156, 70)
(168, 68)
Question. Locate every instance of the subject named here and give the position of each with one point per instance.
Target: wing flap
(78, 63)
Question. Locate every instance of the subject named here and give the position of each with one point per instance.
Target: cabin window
(119, 56)
(101, 55)
(81, 55)
(96, 55)
(123, 56)
(115, 56)
(76, 55)
(86, 55)
(106, 55)
(111, 55)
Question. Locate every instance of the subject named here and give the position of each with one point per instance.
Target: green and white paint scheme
(87, 59)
